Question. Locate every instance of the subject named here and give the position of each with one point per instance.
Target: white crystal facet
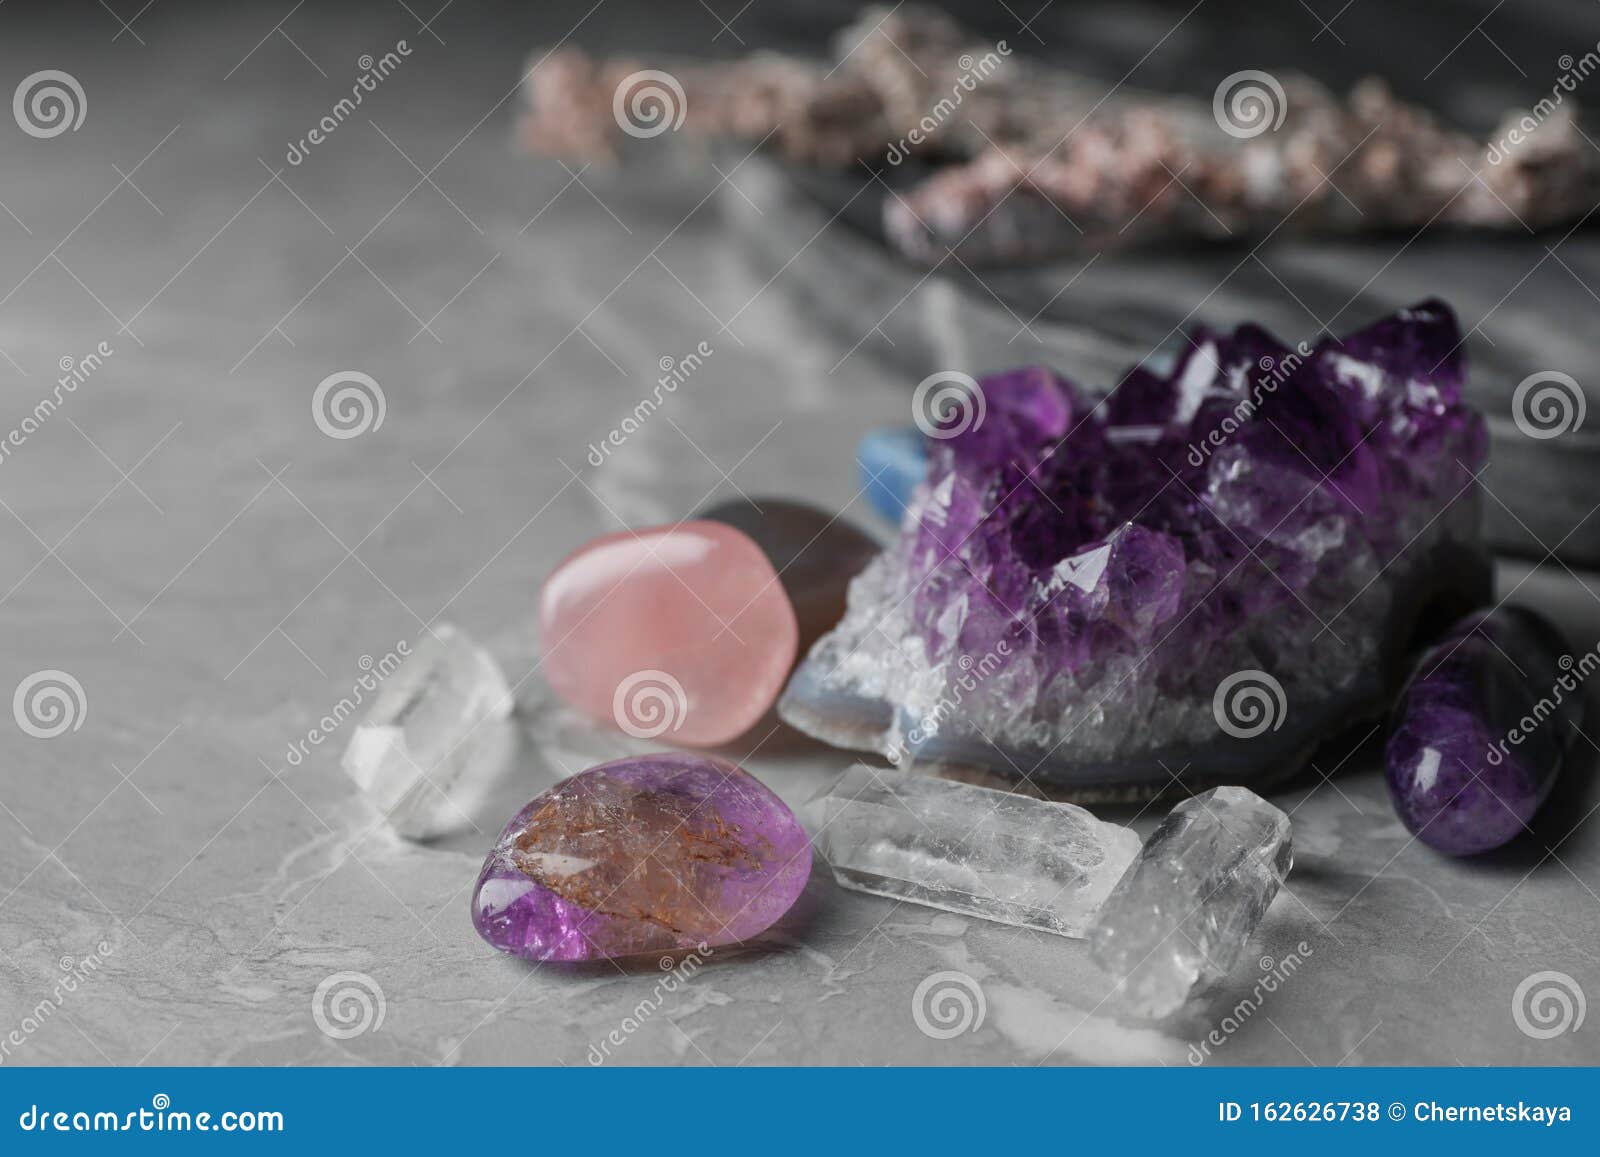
(434, 731)
(1183, 914)
(967, 849)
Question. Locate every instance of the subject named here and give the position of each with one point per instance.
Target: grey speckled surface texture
(181, 539)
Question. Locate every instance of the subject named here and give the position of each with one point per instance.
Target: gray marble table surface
(179, 537)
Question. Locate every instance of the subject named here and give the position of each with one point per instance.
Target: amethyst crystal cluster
(1080, 586)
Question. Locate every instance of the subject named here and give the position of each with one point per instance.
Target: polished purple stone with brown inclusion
(642, 855)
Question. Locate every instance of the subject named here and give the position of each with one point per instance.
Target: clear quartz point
(433, 736)
(973, 850)
(1182, 915)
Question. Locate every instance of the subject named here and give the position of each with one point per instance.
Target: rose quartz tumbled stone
(681, 633)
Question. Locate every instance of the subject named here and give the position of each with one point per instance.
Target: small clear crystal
(967, 849)
(1183, 914)
(434, 731)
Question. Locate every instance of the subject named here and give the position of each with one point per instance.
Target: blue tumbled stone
(892, 461)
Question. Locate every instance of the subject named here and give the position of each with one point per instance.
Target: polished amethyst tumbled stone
(1082, 584)
(653, 854)
(1483, 729)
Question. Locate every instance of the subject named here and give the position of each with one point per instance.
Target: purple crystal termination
(651, 854)
(1075, 579)
(1483, 729)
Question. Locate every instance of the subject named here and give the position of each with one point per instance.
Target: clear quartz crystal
(432, 736)
(1182, 915)
(973, 850)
